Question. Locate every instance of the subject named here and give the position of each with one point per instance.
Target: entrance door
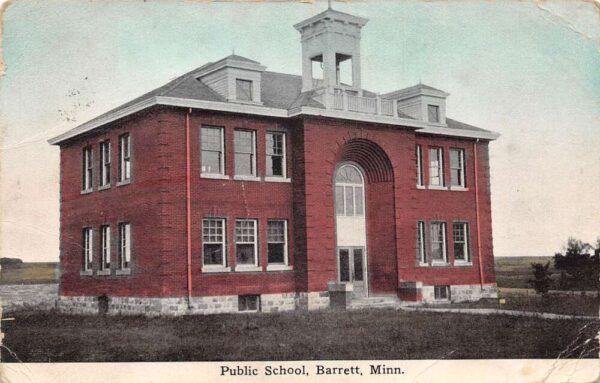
(351, 269)
(351, 234)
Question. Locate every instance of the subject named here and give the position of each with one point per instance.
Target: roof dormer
(421, 102)
(236, 78)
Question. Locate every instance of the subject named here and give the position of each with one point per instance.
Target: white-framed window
(457, 167)
(88, 248)
(349, 191)
(433, 113)
(441, 292)
(105, 163)
(105, 254)
(277, 247)
(438, 242)
(213, 242)
(460, 236)
(419, 159)
(243, 90)
(276, 163)
(436, 167)
(124, 157)
(124, 246)
(244, 142)
(212, 145)
(246, 250)
(421, 248)
(249, 303)
(87, 169)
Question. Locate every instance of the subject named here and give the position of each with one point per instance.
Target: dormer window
(433, 112)
(243, 90)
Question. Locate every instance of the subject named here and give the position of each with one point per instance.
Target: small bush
(541, 274)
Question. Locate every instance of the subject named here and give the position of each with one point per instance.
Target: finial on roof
(328, 4)
(233, 51)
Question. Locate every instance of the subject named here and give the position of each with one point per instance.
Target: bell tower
(331, 50)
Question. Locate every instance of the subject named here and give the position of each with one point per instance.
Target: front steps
(378, 302)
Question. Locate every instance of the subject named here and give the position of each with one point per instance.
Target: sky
(529, 71)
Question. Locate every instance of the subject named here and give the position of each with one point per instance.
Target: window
(457, 167)
(212, 144)
(124, 246)
(460, 235)
(433, 113)
(441, 292)
(87, 170)
(245, 243)
(88, 249)
(105, 255)
(436, 167)
(124, 158)
(349, 192)
(277, 242)
(438, 242)
(213, 239)
(275, 154)
(421, 254)
(248, 303)
(243, 90)
(419, 153)
(105, 163)
(244, 142)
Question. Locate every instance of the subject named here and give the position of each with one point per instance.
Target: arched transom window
(349, 191)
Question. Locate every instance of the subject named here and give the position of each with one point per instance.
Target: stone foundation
(461, 293)
(199, 305)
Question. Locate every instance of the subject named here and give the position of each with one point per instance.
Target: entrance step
(374, 302)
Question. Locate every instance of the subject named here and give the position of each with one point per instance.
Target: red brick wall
(154, 203)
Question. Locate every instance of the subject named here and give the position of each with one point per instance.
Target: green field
(514, 272)
(29, 273)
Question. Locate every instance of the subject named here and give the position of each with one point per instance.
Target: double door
(352, 268)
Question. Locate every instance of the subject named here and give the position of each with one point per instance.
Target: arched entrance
(351, 233)
(365, 219)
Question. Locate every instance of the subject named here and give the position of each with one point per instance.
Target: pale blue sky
(527, 72)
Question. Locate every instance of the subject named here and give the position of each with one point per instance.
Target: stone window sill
(103, 272)
(216, 269)
(458, 188)
(245, 178)
(104, 187)
(463, 264)
(440, 264)
(249, 269)
(87, 191)
(124, 182)
(279, 268)
(215, 176)
(123, 272)
(86, 273)
(422, 187)
(421, 264)
(435, 187)
(278, 179)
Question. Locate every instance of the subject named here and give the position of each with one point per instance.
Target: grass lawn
(552, 303)
(327, 335)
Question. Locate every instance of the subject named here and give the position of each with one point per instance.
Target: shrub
(541, 274)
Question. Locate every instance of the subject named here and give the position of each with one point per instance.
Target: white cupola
(331, 46)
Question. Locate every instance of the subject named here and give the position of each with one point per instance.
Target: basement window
(249, 303)
(441, 293)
